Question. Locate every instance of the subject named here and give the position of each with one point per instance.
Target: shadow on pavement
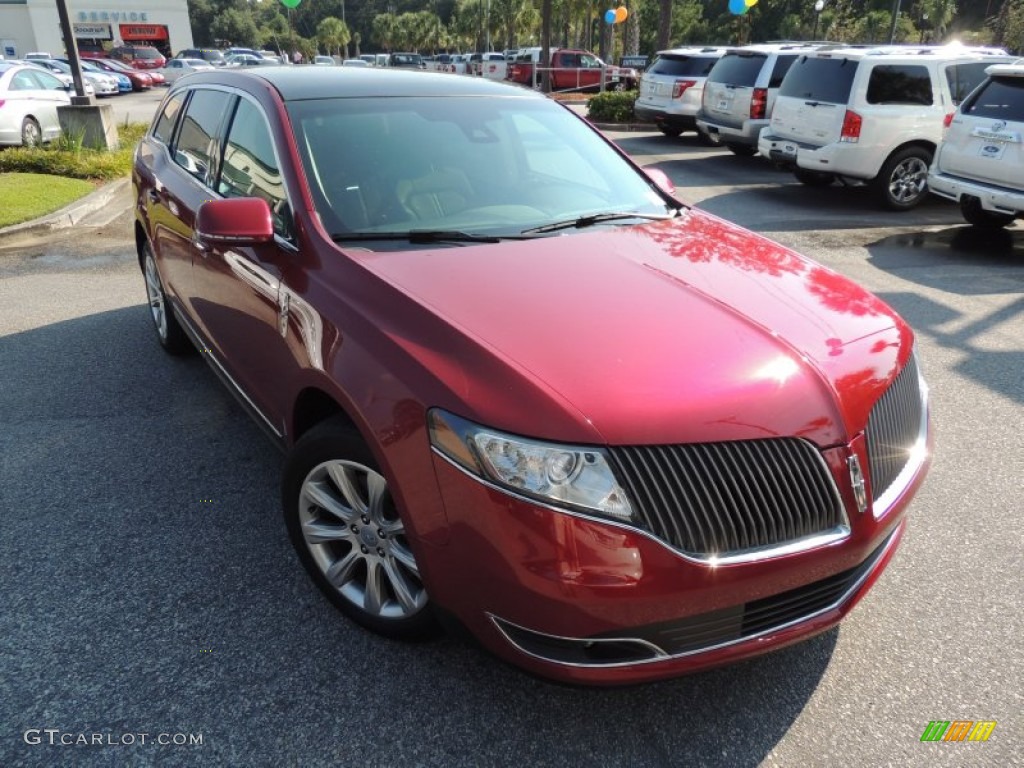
(150, 586)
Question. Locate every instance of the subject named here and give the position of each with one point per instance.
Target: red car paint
(691, 330)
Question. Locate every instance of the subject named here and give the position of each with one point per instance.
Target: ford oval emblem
(990, 149)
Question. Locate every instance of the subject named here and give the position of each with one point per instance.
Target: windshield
(474, 165)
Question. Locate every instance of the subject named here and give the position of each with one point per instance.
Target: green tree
(334, 35)
(236, 27)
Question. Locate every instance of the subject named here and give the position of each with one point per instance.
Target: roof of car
(775, 47)
(300, 83)
(693, 51)
(951, 51)
(1006, 70)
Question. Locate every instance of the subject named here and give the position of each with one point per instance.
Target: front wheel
(903, 180)
(349, 535)
(977, 216)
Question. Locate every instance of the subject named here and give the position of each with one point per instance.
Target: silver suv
(671, 88)
(980, 162)
(740, 92)
(871, 115)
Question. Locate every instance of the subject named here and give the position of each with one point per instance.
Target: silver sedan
(30, 97)
(175, 68)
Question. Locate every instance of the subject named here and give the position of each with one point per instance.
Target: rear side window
(165, 125)
(1002, 98)
(737, 69)
(828, 80)
(674, 65)
(964, 78)
(194, 150)
(900, 84)
(782, 65)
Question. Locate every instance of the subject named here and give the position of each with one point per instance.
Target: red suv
(520, 386)
(138, 56)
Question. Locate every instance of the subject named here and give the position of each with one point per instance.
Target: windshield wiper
(424, 236)
(595, 218)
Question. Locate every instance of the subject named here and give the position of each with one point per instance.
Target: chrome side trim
(219, 369)
(918, 455)
(825, 539)
(878, 554)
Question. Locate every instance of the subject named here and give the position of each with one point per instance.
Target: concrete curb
(71, 214)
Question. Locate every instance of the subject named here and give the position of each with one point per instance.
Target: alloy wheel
(155, 293)
(357, 540)
(908, 180)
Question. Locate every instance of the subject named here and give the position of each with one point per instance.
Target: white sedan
(30, 98)
(175, 68)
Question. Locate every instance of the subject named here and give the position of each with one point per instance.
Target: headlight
(566, 475)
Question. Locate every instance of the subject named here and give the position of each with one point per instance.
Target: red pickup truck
(571, 70)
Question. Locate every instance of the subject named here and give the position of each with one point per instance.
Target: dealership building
(34, 25)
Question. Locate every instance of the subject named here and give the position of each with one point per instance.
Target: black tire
(352, 542)
(672, 133)
(708, 140)
(169, 332)
(813, 178)
(31, 133)
(977, 216)
(741, 150)
(903, 181)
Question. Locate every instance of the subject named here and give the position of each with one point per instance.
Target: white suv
(874, 115)
(980, 162)
(672, 86)
(740, 92)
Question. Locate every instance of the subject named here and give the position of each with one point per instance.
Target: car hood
(687, 330)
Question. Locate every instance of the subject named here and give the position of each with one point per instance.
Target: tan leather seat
(440, 193)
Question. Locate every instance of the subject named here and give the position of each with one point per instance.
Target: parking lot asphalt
(149, 586)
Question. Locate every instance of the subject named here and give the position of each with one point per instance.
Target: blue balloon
(609, 15)
(737, 7)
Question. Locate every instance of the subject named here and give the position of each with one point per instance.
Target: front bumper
(993, 197)
(588, 601)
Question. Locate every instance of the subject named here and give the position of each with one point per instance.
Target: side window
(48, 82)
(23, 81)
(782, 65)
(165, 124)
(250, 167)
(194, 150)
(900, 84)
(964, 78)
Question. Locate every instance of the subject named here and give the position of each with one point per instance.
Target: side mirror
(663, 182)
(236, 221)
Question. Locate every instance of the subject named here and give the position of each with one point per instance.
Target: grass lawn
(25, 196)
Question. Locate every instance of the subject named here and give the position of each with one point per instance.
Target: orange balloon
(620, 14)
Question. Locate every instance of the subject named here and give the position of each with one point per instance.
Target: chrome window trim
(882, 552)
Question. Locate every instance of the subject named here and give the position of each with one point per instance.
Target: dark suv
(138, 56)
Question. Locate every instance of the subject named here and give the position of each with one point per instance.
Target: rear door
(730, 86)
(42, 94)
(812, 99)
(986, 138)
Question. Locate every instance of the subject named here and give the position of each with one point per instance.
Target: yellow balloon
(620, 14)
(750, 3)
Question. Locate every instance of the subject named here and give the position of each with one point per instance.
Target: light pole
(818, 6)
(895, 18)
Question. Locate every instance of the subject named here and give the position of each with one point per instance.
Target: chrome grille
(715, 499)
(894, 427)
